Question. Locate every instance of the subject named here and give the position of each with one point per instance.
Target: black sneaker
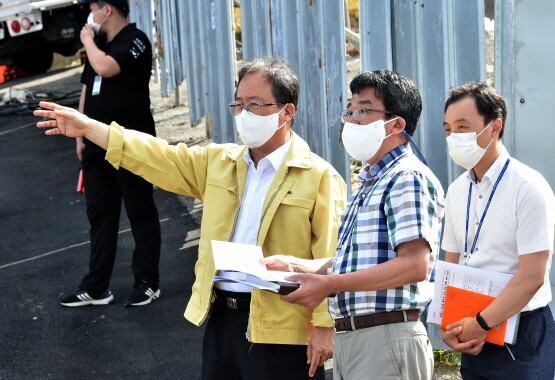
(142, 294)
(83, 298)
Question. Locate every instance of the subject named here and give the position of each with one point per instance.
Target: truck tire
(34, 62)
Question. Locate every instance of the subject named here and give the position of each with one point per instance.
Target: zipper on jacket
(247, 333)
(236, 217)
(209, 306)
(229, 239)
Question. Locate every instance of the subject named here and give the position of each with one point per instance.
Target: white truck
(32, 30)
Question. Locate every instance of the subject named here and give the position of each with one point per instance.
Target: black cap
(122, 5)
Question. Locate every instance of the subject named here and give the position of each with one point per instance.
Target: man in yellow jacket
(273, 192)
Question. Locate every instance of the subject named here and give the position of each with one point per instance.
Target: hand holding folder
(461, 303)
(473, 290)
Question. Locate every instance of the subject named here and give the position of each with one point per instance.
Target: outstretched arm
(67, 121)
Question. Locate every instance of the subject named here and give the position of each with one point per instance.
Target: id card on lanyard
(96, 85)
(467, 253)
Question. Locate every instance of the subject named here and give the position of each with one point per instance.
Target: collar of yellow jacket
(298, 155)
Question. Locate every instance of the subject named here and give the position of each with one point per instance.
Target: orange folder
(461, 303)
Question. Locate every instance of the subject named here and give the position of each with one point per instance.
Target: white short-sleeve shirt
(519, 221)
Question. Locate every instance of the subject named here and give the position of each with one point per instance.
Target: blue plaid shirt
(400, 200)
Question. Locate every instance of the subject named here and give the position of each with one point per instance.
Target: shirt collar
(494, 170)
(369, 173)
(276, 157)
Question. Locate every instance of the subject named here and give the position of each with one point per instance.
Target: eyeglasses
(359, 114)
(252, 108)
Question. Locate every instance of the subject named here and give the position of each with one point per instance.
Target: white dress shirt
(259, 180)
(519, 221)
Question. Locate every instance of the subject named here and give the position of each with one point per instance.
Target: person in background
(116, 88)
(500, 216)
(272, 192)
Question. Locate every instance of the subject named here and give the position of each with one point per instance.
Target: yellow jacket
(300, 217)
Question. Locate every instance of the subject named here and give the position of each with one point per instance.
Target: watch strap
(481, 321)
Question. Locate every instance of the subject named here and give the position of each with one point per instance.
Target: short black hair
(282, 78)
(398, 94)
(489, 102)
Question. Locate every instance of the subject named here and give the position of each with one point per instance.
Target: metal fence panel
(505, 64)
(375, 35)
(256, 20)
(322, 72)
(465, 51)
(191, 58)
(170, 58)
(221, 67)
(199, 71)
(140, 12)
(523, 74)
(285, 31)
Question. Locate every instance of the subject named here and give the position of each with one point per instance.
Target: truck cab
(31, 31)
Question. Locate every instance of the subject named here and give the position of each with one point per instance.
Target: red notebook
(461, 303)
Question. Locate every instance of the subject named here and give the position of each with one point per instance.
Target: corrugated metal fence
(438, 44)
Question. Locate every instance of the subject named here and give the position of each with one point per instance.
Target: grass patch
(447, 358)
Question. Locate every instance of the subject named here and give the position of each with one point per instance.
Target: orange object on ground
(9, 72)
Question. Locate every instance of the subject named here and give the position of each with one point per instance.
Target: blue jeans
(534, 353)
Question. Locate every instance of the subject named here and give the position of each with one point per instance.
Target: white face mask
(464, 148)
(256, 130)
(362, 141)
(94, 25)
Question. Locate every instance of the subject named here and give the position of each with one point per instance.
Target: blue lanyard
(467, 254)
(364, 193)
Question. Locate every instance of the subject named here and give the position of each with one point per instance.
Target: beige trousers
(395, 351)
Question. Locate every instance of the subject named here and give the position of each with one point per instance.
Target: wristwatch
(481, 321)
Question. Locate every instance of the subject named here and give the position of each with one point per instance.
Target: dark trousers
(534, 353)
(105, 187)
(227, 354)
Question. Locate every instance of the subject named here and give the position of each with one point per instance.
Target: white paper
(238, 257)
(244, 258)
(476, 280)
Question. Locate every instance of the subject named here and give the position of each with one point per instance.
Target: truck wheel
(35, 62)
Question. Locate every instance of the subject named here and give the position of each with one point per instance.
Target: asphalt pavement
(44, 250)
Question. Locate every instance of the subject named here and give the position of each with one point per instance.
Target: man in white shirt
(499, 216)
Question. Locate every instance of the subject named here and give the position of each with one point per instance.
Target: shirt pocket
(298, 202)
(290, 228)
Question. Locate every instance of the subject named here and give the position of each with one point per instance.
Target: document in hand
(477, 280)
(240, 263)
(460, 303)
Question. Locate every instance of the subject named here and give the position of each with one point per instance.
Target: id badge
(96, 85)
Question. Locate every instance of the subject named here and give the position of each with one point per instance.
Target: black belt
(233, 300)
(525, 313)
(376, 319)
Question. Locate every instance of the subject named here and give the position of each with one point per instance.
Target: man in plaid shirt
(388, 242)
